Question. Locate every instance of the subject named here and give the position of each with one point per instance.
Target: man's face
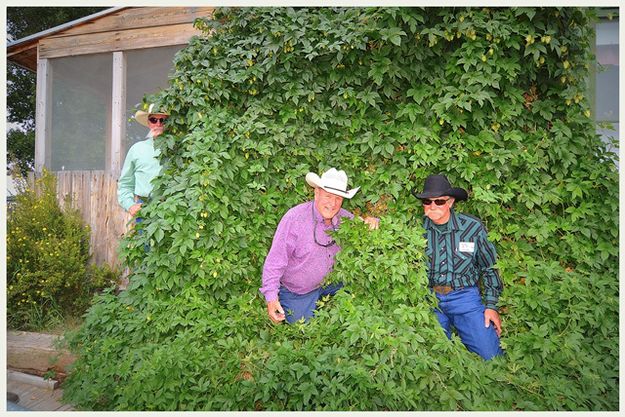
(327, 204)
(438, 214)
(156, 123)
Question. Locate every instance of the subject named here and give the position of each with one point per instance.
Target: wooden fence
(94, 194)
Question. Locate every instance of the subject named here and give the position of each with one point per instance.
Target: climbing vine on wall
(493, 97)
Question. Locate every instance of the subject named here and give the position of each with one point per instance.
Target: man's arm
(493, 286)
(486, 259)
(275, 311)
(372, 222)
(126, 184)
(274, 267)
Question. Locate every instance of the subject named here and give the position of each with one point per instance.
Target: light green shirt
(140, 167)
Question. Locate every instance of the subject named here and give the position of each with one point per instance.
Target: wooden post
(42, 117)
(118, 114)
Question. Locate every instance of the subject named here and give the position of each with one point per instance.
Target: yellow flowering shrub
(48, 273)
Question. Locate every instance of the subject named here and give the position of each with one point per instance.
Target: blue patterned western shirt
(460, 255)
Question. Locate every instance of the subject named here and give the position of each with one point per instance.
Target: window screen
(607, 79)
(147, 72)
(80, 108)
(607, 73)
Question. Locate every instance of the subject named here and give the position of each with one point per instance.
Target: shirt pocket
(304, 247)
(463, 260)
(302, 251)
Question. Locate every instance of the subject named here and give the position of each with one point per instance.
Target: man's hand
(134, 209)
(373, 222)
(275, 311)
(492, 315)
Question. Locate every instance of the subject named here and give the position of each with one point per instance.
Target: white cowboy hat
(142, 116)
(332, 181)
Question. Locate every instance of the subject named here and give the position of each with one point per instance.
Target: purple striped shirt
(295, 261)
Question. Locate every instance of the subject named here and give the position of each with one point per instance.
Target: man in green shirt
(460, 257)
(141, 164)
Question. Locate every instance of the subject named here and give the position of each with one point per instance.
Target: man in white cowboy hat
(141, 164)
(460, 257)
(302, 253)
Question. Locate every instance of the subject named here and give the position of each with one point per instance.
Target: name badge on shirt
(467, 246)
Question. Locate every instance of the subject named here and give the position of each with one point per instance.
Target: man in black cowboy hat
(460, 256)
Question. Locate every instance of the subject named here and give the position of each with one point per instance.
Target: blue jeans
(138, 220)
(139, 200)
(463, 309)
(296, 306)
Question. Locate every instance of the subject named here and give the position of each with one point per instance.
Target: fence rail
(94, 194)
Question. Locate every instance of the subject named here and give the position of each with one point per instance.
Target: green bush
(48, 274)
(494, 98)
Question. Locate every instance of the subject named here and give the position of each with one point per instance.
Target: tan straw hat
(142, 116)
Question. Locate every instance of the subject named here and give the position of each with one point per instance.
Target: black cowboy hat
(438, 186)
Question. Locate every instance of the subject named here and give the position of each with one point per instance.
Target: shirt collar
(453, 221)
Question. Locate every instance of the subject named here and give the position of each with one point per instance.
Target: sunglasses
(154, 120)
(438, 201)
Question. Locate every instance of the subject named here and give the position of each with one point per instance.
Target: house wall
(94, 194)
(125, 32)
(606, 83)
(116, 34)
(130, 28)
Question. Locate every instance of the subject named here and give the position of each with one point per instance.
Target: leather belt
(442, 289)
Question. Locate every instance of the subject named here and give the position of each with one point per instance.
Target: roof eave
(64, 26)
